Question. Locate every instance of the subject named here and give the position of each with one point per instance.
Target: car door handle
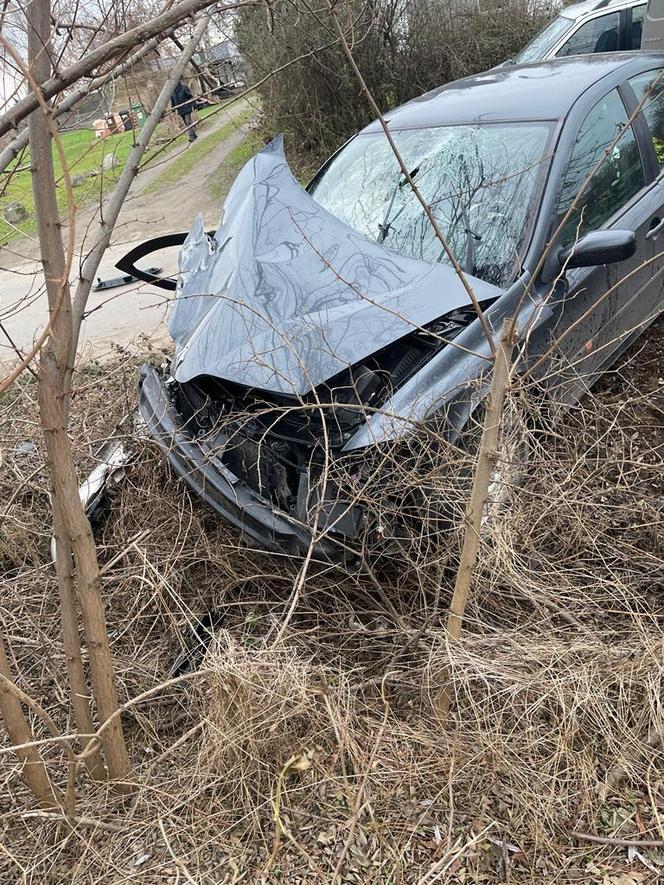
(656, 227)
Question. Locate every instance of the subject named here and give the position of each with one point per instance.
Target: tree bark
(71, 639)
(486, 459)
(70, 515)
(34, 772)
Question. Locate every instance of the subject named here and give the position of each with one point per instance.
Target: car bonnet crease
(286, 296)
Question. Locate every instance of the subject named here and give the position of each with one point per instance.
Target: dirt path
(174, 208)
(144, 215)
(119, 316)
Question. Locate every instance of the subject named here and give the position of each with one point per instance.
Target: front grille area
(280, 444)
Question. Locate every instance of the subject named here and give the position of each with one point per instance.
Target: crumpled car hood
(285, 296)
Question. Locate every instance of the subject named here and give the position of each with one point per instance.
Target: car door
(634, 16)
(589, 329)
(648, 91)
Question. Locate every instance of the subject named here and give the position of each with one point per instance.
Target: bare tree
(69, 515)
(77, 567)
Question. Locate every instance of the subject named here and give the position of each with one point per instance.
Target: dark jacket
(182, 100)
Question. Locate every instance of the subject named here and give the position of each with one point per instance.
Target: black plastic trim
(127, 263)
(203, 471)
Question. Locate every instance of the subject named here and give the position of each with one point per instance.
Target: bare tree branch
(16, 145)
(107, 51)
(112, 210)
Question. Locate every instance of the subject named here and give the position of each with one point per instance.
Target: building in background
(224, 63)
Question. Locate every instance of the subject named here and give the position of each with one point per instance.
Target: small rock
(110, 162)
(15, 213)
(78, 179)
(25, 448)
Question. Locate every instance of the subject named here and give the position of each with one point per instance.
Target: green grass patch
(84, 154)
(197, 151)
(219, 181)
(210, 110)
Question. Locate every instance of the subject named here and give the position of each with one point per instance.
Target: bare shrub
(556, 712)
(403, 49)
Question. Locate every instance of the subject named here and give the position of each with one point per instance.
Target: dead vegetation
(320, 753)
(403, 49)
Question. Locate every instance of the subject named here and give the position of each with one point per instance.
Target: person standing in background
(182, 101)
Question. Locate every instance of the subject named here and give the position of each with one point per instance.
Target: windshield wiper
(384, 228)
(471, 239)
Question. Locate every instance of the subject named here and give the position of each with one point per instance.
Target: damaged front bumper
(202, 468)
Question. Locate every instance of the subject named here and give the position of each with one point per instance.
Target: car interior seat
(607, 41)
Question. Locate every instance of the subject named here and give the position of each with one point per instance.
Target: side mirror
(599, 247)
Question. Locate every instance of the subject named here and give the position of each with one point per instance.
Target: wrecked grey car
(320, 324)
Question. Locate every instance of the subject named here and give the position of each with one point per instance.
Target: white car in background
(598, 26)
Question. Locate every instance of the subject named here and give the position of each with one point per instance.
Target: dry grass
(285, 760)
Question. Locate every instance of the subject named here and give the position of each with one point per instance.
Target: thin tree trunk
(119, 195)
(486, 460)
(52, 404)
(34, 772)
(71, 639)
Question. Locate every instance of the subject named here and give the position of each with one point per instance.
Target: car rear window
(597, 35)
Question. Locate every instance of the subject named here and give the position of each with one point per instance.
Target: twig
(409, 178)
(618, 772)
(176, 860)
(75, 822)
(621, 843)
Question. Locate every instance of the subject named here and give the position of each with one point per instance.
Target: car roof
(578, 10)
(544, 90)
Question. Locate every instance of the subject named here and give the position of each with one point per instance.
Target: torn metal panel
(112, 458)
(201, 464)
(286, 296)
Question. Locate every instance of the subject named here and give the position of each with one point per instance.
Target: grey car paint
(286, 296)
(546, 300)
(553, 301)
(610, 321)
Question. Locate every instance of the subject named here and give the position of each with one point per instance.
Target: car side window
(618, 178)
(649, 89)
(597, 35)
(636, 29)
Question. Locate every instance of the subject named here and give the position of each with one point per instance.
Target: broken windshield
(480, 182)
